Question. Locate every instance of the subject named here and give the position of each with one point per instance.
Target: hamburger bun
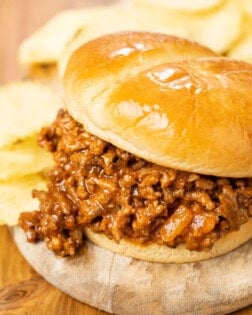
(167, 100)
(180, 254)
(171, 102)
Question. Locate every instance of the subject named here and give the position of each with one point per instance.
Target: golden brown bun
(165, 254)
(152, 95)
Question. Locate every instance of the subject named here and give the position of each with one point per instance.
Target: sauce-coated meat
(95, 184)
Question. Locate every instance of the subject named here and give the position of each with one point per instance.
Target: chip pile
(25, 107)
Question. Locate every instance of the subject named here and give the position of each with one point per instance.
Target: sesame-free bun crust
(165, 99)
(165, 254)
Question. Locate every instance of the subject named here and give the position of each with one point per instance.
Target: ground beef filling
(95, 184)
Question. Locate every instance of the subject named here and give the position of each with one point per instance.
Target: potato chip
(243, 50)
(183, 5)
(44, 45)
(24, 108)
(15, 197)
(47, 74)
(217, 29)
(247, 6)
(127, 18)
(22, 158)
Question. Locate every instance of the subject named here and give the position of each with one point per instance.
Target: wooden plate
(123, 285)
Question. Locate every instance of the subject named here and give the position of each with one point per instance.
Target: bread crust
(165, 99)
(164, 254)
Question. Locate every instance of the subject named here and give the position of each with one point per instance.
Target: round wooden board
(123, 285)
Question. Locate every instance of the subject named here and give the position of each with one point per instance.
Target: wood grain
(23, 291)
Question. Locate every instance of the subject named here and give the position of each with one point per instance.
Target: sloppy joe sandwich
(153, 153)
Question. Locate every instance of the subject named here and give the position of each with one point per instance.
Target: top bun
(168, 100)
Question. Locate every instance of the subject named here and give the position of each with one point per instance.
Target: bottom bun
(165, 254)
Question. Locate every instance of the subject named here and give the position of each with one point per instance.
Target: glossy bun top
(166, 99)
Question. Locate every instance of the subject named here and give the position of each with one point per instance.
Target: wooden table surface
(22, 290)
